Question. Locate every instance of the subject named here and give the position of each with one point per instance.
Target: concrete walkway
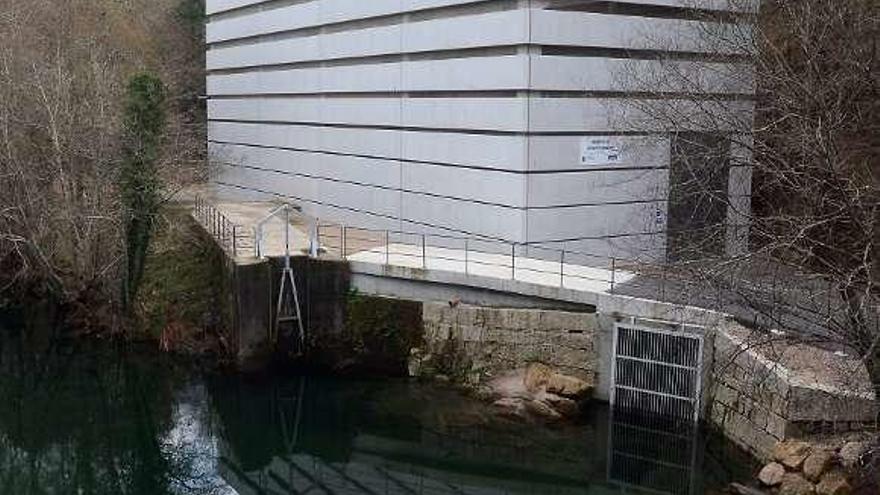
(370, 247)
(523, 269)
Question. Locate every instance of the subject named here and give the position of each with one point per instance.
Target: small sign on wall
(600, 151)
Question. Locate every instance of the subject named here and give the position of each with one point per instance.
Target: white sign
(600, 151)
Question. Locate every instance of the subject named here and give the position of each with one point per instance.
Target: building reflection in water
(307, 437)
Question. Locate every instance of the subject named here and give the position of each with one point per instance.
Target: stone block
(817, 464)
(795, 484)
(834, 483)
(771, 475)
(792, 453)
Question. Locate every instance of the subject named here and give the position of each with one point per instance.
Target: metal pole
(562, 269)
(466, 256)
(287, 237)
(343, 242)
(387, 248)
(235, 241)
(513, 261)
(257, 239)
(613, 273)
(424, 253)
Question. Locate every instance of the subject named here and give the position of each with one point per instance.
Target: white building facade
(508, 119)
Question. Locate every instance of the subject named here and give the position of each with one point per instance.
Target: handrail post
(613, 273)
(513, 261)
(424, 252)
(342, 241)
(257, 236)
(562, 269)
(466, 256)
(234, 241)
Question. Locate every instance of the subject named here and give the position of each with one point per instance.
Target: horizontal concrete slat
(640, 115)
(474, 150)
(560, 73)
(598, 187)
(465, 185)
(314, 14)
(563, 153)
(463, 74)
(580, 29)
(496, 29)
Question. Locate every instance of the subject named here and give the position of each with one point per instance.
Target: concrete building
(509, 119)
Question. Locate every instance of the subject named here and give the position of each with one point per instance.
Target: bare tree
(781, 103)
(63, 66)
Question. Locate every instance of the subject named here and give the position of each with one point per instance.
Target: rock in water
(816, 464)
(791, 453)
(772, 474)
(537, 376)
(834, 483)
(567, 407)
(540, 408)
(851, 453)
(795, 484)
(568, 386)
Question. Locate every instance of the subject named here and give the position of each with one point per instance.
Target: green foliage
(140, 183)
(380, 332)
(183, 281)
(191, 14)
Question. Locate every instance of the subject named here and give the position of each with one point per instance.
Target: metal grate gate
(657, 372)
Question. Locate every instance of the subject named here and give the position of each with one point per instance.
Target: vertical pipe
(234, 241)
(513, 261)
(613, 273)
(343, 242)
(287, 237)
(257, 239)
(466, 246)
(562, 269)
(424, 252)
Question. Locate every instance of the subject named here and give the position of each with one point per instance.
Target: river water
(85, 417)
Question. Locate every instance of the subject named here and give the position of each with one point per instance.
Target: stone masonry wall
(765, 390)
(477, 343)
(748, 399)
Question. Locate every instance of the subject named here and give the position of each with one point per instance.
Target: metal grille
(657, 372)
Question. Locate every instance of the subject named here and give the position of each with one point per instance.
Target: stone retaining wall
(485, 341)
(766, 390)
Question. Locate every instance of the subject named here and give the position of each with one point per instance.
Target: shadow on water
(98, 418)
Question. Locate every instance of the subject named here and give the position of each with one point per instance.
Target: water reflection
(653, 453)
(85, 418)
(326, 437)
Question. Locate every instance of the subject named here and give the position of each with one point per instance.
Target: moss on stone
(184, 286)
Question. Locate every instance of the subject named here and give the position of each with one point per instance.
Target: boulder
(791, 453)
(851, 453)
(542, 409)
(795, 484)
(537, 376)
(817, 464)
(772, 474)
(834, 483)
(568, 386)
(511, 407)
(564, 406)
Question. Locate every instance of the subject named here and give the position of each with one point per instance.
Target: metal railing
(234, 239)
(473, 256)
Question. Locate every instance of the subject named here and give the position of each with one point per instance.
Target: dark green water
(82, 417)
